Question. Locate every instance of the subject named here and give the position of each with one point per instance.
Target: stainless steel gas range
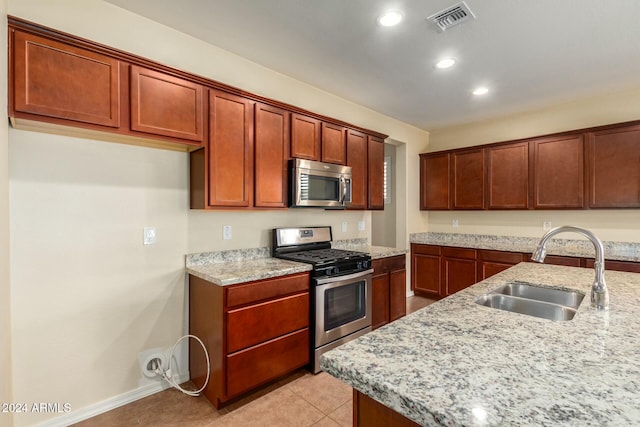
(340, 286)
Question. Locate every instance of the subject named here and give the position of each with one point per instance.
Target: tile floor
(300, 399)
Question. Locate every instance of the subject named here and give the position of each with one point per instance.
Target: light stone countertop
(458, 363)
(620, 251)
(240, 266)
(245, 265)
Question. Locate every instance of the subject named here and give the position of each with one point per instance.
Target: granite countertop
(458, 363)
(245, 265)
(619, 251)
(239, 266)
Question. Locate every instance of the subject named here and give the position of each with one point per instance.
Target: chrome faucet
(599, 292)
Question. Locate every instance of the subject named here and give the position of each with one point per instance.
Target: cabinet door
(558, 173)
(305, 137)
(230, 150)
(614, 168)
(425, 269)
(434, 181)
(357, 159)
(334, 144)
(508, 176)
(467, 171)
(397, 294)
(166, 105)
(376, 173)
(459, 269)
(493, 262)
(271, 154)
(380, 300)
(55, 80)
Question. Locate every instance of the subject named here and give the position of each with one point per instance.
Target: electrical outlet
(226, 232)
(455, 223)
(546, 225)
(361, 225)
(149, 236)
(151, 360)
(344, 227)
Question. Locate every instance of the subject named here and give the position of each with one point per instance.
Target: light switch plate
(149, 236)
(226, 232)
(455, 223)
(361, 225)
(344, 227)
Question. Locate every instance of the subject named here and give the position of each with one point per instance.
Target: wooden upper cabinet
(271, 153)
(305, 137)
(557, 172)
(334, 144)
(434, 181)
(467, 179)
(614, 168)
(508, 176)
(357, 159)
(230, 155)
(165, 105)
(56, 80)
(375, 158)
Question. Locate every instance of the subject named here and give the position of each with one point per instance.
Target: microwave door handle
(343, 185)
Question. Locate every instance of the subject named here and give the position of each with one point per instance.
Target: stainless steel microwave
(318, 184)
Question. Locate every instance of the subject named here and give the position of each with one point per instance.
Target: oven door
(342, 306)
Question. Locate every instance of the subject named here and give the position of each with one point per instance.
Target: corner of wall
(6, 419)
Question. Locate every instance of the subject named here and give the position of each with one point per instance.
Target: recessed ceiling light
(445, 63)
(390, 18)
(481, 90)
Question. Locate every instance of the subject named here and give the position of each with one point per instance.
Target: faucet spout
(599, 291)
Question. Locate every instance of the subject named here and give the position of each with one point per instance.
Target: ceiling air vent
(452, 16)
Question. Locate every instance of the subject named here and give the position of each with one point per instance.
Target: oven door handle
(325, 280)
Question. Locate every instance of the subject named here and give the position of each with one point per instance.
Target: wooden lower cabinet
(425, 270)
(439, 271)
(493, 262)
(389, 299)
(254, 332)
(458, 269)
(367, 412)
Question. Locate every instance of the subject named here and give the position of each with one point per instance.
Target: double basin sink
(534, 300)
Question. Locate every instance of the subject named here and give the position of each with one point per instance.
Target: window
(387, 180)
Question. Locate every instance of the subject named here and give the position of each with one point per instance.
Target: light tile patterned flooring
(300, 399)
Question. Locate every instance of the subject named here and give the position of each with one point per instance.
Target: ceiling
(529, 53)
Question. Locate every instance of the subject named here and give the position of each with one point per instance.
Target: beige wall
(621, 225)
(5, 300)
(87, 296)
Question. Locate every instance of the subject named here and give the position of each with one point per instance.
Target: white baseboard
(109, 404)
(410, 294)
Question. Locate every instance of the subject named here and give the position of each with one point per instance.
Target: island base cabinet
(369, 413)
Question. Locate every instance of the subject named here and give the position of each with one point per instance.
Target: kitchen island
(458, 363)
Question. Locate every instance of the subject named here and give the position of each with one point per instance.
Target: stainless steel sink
(563, 297)
(538, 301)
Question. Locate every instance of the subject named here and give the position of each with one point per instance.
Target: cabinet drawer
(425, 249)
(499, 256)
(257, 365)
(385, 265)
(459, 253)
(254, 324)
(266, 289)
